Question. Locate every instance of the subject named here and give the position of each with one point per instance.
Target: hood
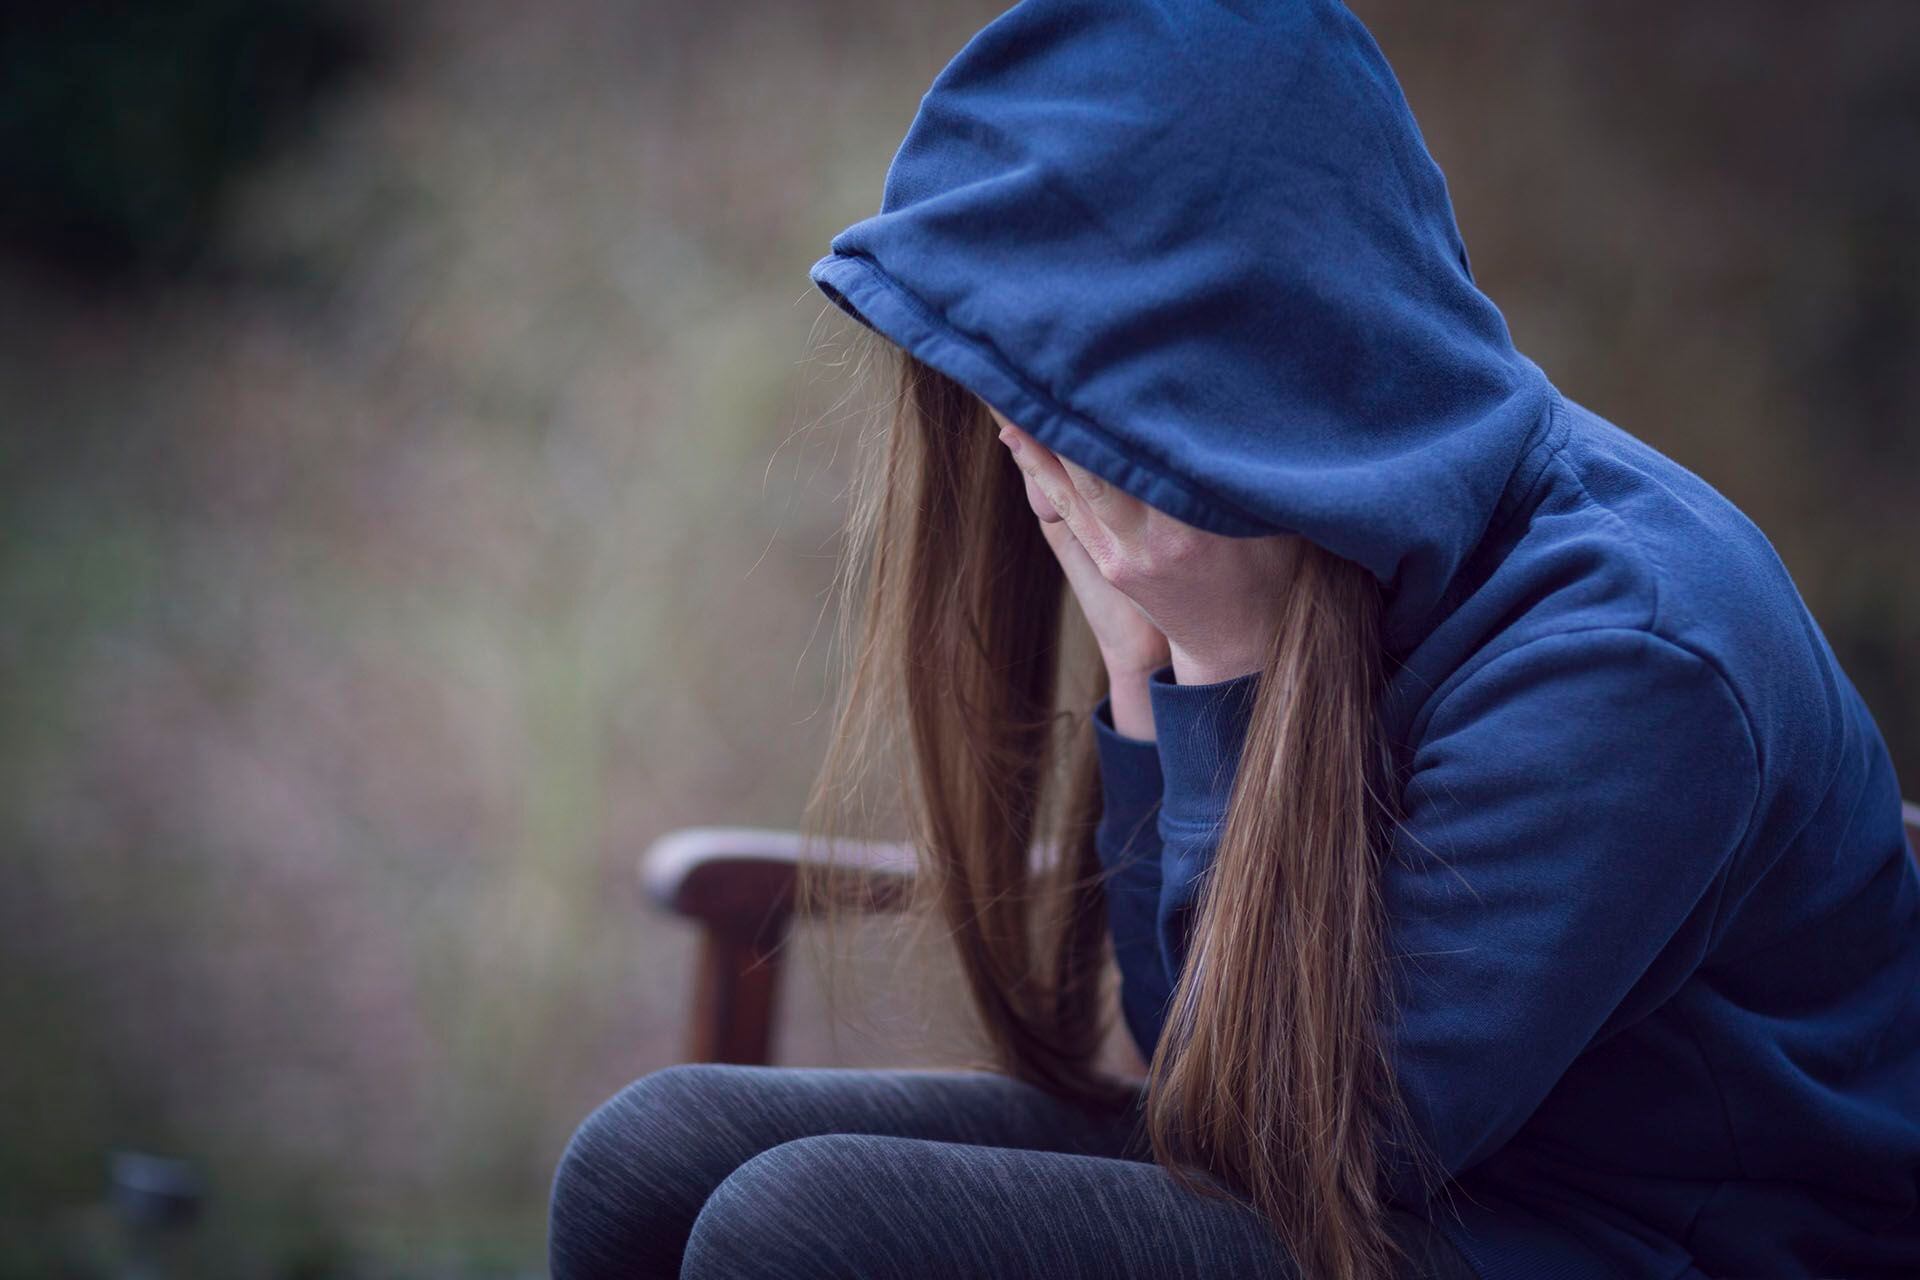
(1201, 250)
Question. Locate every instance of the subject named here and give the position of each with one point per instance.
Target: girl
(1503, 876)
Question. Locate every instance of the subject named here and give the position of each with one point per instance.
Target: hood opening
(1206, 255)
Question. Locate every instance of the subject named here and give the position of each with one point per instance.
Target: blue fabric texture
(1654, 927)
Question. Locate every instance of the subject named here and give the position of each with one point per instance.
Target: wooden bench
(737, 884)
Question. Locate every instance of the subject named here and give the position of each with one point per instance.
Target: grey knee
(802, 1210)
(627, 1187)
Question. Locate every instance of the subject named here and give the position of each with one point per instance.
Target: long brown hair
(969, 673)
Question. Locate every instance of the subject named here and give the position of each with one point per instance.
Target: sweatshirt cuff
(1130, 779)
(1200, 729)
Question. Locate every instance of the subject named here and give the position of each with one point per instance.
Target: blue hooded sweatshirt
(1652, 919)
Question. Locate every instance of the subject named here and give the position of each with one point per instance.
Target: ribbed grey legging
(707, 1171)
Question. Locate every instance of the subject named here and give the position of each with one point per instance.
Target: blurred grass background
(418, 483)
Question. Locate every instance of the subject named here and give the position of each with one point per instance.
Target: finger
(1038, 501)
(1073, 558)
(1041, 466)
(1083, 575)
(1111, 505)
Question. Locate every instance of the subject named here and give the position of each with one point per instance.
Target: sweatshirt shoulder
(1712, 580)
(1617, 538)
(1617, 535)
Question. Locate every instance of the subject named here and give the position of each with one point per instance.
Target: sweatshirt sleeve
(1129, 846)
(1201, 729)
(1569, 805)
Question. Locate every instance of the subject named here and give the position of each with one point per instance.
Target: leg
(640, 1167)
(887, 1208)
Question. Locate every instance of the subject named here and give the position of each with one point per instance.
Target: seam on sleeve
(1657, 569)
(1186, 827)
(1686, 1021)
(1733, 852)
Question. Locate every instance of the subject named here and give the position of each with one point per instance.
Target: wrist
(1134, 665)
(1189, 668)
(1130, 702)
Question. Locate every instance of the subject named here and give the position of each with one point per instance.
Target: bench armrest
(738, 885)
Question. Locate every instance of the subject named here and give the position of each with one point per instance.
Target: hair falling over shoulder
(961, 674)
